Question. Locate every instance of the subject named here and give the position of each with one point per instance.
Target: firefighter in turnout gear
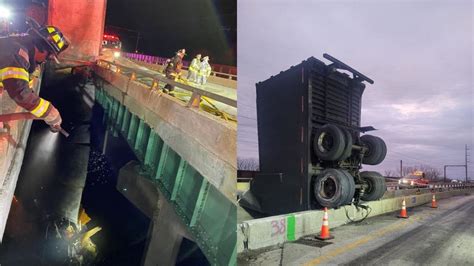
(194, 68)
(19, 56)
(204, 71)
(173, 69)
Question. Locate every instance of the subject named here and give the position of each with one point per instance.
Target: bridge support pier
(165, 237)
(166, 230)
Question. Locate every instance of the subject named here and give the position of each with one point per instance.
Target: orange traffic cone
(433, 202)
(324, 235)
(403, 212)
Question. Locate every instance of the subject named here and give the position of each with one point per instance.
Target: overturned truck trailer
(311, 146)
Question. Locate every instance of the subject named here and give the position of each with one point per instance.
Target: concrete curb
(274, 230)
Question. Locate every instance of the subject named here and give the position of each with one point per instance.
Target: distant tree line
(249, 164)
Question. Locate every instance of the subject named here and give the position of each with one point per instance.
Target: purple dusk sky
(419, 53)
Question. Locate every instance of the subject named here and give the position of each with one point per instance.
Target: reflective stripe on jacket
(205, 69)
(194, 66)
(15, 76)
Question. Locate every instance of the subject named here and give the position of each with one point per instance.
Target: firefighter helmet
(54, 38)
(49, 38)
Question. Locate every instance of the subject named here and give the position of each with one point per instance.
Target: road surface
(442, 236)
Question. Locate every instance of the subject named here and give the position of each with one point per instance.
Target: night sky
(207, 27)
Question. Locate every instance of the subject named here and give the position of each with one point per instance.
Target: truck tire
(376, 185)
(384, 150)
(328, 143)
(352, 186)
(376, 149)
(332, 188)
(348, 148)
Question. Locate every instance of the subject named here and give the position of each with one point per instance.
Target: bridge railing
(222, 71)
(196, 93)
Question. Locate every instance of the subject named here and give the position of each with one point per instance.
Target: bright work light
(5, 12)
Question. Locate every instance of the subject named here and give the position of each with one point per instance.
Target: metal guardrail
(197, 92)
(270, 231)
(217, 70)
(431, 188)
(183, 86)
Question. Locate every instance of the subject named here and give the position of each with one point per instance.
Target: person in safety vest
(173, 69)
(19, 56)
(194, 68)
(204, 71)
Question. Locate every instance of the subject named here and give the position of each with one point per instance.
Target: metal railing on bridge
(223, 71)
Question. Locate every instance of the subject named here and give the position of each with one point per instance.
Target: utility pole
(466, 161)
(401, 168)
(129, 30)
(136, 44)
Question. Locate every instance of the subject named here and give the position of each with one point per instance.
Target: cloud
(420, 54)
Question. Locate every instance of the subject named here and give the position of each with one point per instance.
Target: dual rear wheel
(336, 187)
(333, 188)
(332, 143)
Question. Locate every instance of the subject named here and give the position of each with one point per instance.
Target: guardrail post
(154, 85)
(195, 100)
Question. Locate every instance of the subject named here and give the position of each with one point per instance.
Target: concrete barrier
(274, 230)
(12, 150)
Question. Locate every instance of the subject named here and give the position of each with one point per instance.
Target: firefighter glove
(53, 119)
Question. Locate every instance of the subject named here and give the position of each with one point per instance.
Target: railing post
(195, 100)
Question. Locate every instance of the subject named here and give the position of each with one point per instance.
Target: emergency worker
(173, 69)
(19, 56)
(204, 71)
(194, 68)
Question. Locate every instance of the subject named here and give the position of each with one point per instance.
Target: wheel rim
(328, 188)
(325, 142)
(370, 186)
(370, 148)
